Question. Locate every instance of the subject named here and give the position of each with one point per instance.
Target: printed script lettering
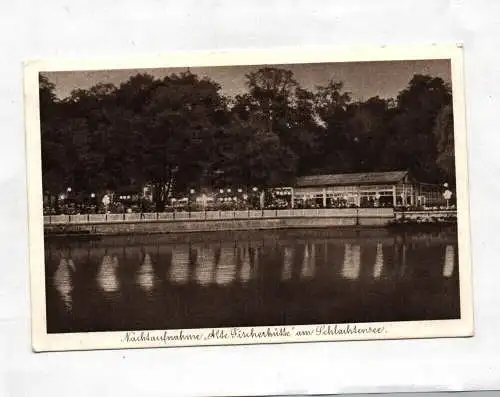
(249, 334)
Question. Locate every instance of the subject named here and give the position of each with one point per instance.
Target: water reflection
(336, 279)
(288, 255)
(449, 261)
(205, 265)
(379, 261)
(179, 267)
(107, 278)
(256, 263)
(63, 279)
(309, 262)
(145, 276)
(226, 268)
(352, 262)
(246, 267)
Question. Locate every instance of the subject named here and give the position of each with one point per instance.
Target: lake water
(250, 279)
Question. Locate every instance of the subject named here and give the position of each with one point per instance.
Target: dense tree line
(181, 128)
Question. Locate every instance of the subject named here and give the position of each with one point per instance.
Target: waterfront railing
(219, 215)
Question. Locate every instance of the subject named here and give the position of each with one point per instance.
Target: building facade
(368, 189)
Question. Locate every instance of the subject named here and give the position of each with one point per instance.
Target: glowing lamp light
(221, 191)
(240, 190)
(92, 195)
(254, 189)
(229, 190)
(191, 191)
(68, 190)
(245, 197)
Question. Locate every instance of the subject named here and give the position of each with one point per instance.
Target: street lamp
(92, 195)
(191, 192)
(447, 196)
(204, 201)
(240, 190)
(68, 189)
(228, 190)
(254, 189)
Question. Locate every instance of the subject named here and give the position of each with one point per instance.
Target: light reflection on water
(309, 262)
(145, 276)
(179, 269)
(288, 257)
(63, 281)
(205, 265)
(449, 261)
(379, 261)
(246, 268)
(313, 273)
(107, 277)
(226, 268)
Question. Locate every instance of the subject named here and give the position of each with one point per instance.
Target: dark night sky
(362, 79)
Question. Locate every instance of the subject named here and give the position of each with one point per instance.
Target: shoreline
(95, 230)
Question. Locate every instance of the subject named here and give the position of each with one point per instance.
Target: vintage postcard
(287, 195)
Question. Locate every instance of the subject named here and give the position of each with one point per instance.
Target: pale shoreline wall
(131, 227)
(100, 224)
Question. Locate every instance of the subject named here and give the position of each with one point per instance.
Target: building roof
(363, 178)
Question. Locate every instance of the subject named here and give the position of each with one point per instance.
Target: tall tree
(178, 128)
(283, 112)
(331, 107)
(366, 125)
(52, 144)
(412, 144)
(272, 89)
(443, 130)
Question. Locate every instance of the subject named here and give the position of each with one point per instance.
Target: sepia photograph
(252, 197)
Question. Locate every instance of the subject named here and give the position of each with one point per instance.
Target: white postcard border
(42, 341)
